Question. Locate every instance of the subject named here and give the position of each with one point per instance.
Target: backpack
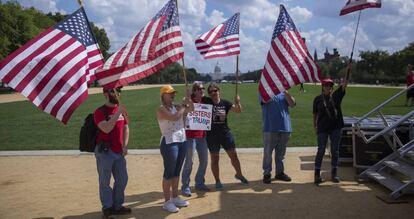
(89, 131)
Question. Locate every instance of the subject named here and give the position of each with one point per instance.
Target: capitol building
(217, 74)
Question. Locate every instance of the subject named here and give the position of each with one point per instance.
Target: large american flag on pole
(222, 40)
(53, 69)
(155, 46)
(356, 5)
(288, 62)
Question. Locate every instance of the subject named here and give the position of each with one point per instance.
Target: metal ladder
(396, 171)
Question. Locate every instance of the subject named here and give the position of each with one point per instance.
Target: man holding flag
(112, 147)
(288, 63)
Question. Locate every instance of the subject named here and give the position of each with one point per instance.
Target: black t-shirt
(220, 111)
(328, 111)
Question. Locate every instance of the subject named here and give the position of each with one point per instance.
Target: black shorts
(410, 93)
(217, 139)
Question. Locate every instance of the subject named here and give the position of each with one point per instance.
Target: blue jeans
(110, 163)
(173, 156)
(192, 144)
(335, 138)
(274, 141)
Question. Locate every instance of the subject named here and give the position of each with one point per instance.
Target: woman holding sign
(220, 134)
(196, 140)
(171, 121)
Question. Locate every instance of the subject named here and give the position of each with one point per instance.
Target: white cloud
(215, 18)
(389, 28)
(322, 39)
(42, 5)
(300, 15)
(192, 13)
(253, 52)
(131, 16)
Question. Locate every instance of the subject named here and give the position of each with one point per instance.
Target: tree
(19, 25)
(102, 39)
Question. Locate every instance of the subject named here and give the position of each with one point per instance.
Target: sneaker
(123, 210)
(318, 180)
(267, 178)
(335, 179)
(242, 179)
(170, 207)
(202, 188)
(108, 212)
(186, 192)
(219, 185)
(282, 176)
(180, 202)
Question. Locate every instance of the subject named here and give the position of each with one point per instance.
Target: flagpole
(237, 73)
(80, 2)
(348, 71)
(184, 74)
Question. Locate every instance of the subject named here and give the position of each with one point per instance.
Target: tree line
(18, 25)
(377, 66)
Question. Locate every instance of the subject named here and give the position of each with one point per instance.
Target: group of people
(178, 145)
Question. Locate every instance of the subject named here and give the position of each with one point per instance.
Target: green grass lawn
(24, 127)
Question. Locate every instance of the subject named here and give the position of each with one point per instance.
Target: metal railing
(388, 128)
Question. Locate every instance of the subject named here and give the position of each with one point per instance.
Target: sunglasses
(200, 88)
(212, 91)
(118, 90)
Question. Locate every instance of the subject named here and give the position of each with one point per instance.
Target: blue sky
(389, 28)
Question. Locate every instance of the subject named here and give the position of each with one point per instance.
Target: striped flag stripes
(288, 62)
(222, 40)
(156, 45)
(356, 5)
(53, 70)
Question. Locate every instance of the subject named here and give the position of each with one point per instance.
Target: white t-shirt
(172, 131)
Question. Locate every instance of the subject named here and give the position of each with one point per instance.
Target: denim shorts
(173, 156)
(217, 139)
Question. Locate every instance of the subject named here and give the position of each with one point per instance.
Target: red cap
(107, 89)
(327, 81)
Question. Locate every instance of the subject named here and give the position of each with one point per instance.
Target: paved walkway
(134, 152)
(14, 97)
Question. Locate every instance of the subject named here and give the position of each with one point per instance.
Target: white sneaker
(170, 206)
(179, 202)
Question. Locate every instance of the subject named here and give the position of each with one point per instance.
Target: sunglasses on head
(212, 91)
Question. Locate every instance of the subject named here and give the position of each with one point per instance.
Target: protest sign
(200, 118)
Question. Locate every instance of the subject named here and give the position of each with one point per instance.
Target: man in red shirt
(410, 81)
(111, 149)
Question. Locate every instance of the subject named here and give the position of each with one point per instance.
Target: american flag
(355, 5)
(222, 40)
(155, 46)
(288, 62)
(53, 69)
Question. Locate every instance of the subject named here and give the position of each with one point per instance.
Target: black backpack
(89, 131)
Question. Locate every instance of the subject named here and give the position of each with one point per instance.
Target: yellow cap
(167, 89)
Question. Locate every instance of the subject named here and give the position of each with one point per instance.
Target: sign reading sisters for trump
(200, 118)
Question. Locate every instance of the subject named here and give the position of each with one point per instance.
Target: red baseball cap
(327, 81)
(107, 89)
